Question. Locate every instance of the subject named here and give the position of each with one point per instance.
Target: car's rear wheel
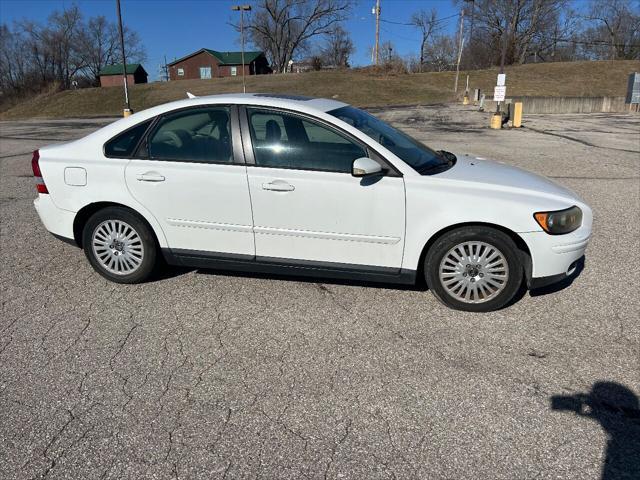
(475, 268)
(120, 245)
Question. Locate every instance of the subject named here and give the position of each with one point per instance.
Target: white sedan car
(304, 186)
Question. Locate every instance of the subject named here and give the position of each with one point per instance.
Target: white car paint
(197, 205)
(329, 217)
(325, 216)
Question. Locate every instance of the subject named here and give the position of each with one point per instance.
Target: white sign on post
(502, 79)
(499, 93)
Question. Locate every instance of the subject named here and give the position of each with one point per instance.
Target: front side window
(195, 135)
(419, 156)
(124, 144)
(287, 141)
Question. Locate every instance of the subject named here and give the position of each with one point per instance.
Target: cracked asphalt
(202, 374)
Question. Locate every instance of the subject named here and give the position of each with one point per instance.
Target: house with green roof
(207, 63)
(111, 75)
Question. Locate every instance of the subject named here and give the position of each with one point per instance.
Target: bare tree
(522, 26)
(338, 48)
(99, 46)
(12, 60)
(426, 23)
(282, 27)
(614, 31)
(35, 56)
(441, 53)
(64, 29)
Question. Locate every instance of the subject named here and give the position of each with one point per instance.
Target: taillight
(35, 166)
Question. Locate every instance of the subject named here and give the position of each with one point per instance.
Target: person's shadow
(616, 407)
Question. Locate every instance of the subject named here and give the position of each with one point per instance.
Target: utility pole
(242, 9)
(166, 69)
(472, 16)
(502, 57)
(127, 111)
(376, 49)
(461, 46)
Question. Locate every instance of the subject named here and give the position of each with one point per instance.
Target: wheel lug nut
(473, 279)
(481, 275)
(468, 266)
(464, 274)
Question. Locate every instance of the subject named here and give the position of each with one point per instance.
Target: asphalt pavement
(201, 374)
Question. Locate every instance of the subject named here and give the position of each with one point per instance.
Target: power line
(435, 22)
(399, 36)
(603, 43)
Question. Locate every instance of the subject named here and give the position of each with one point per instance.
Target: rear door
(190, 175)
(308, 208)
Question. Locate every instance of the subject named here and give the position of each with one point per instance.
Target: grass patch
(358, 87)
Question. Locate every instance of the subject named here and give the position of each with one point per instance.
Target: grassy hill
(359, 87)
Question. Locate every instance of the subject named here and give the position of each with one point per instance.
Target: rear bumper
(57, 221)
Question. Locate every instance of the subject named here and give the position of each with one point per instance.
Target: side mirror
(364, 167)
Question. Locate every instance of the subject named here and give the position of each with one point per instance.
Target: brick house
(206, 63)
(111, 75)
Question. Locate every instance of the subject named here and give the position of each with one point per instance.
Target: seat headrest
(273, 134)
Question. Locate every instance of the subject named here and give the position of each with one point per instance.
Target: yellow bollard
(517, 115)
(465, 99)
(127, 112)
(496, 121)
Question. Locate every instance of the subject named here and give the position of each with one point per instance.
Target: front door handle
(278, 186)
(150, 177)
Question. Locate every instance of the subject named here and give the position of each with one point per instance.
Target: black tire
(494, 238)
(150, 258)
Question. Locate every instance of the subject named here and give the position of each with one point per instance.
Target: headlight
(560, 222)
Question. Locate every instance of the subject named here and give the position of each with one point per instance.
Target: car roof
(275, 99)
(282, 100)
(293, 102)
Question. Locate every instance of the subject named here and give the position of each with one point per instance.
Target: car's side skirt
(282, 266)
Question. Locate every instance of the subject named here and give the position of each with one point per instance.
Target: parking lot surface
(202, 374)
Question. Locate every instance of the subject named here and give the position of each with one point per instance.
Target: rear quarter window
(123, 145)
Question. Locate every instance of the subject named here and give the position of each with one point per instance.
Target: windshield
(412, 152)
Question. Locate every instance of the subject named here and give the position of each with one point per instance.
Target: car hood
(497, 175)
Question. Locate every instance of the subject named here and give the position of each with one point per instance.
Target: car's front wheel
(119, 245)
(474, 268)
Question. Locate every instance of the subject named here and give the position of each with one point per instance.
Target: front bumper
(56, 220)
(555, 257)
(540, 282)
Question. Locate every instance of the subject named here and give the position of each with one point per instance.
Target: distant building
(207, 63)
(111, 75)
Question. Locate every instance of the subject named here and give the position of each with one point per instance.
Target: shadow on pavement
(616, 408)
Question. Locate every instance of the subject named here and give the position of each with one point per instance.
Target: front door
(307, 206)
(193, 185)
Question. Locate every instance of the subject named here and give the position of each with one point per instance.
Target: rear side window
(200, 135)
(124, 144)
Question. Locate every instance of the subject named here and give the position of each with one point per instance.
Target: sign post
(633, 91)
(499, 94)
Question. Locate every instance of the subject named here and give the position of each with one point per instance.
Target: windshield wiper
(447, 156)
(448, 161)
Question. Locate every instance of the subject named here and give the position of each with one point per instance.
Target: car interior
(287, 141)
(202, 136)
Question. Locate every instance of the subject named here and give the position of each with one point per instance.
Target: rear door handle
(150, 177)
(278, 186)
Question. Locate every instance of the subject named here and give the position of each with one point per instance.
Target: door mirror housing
(365, 167)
